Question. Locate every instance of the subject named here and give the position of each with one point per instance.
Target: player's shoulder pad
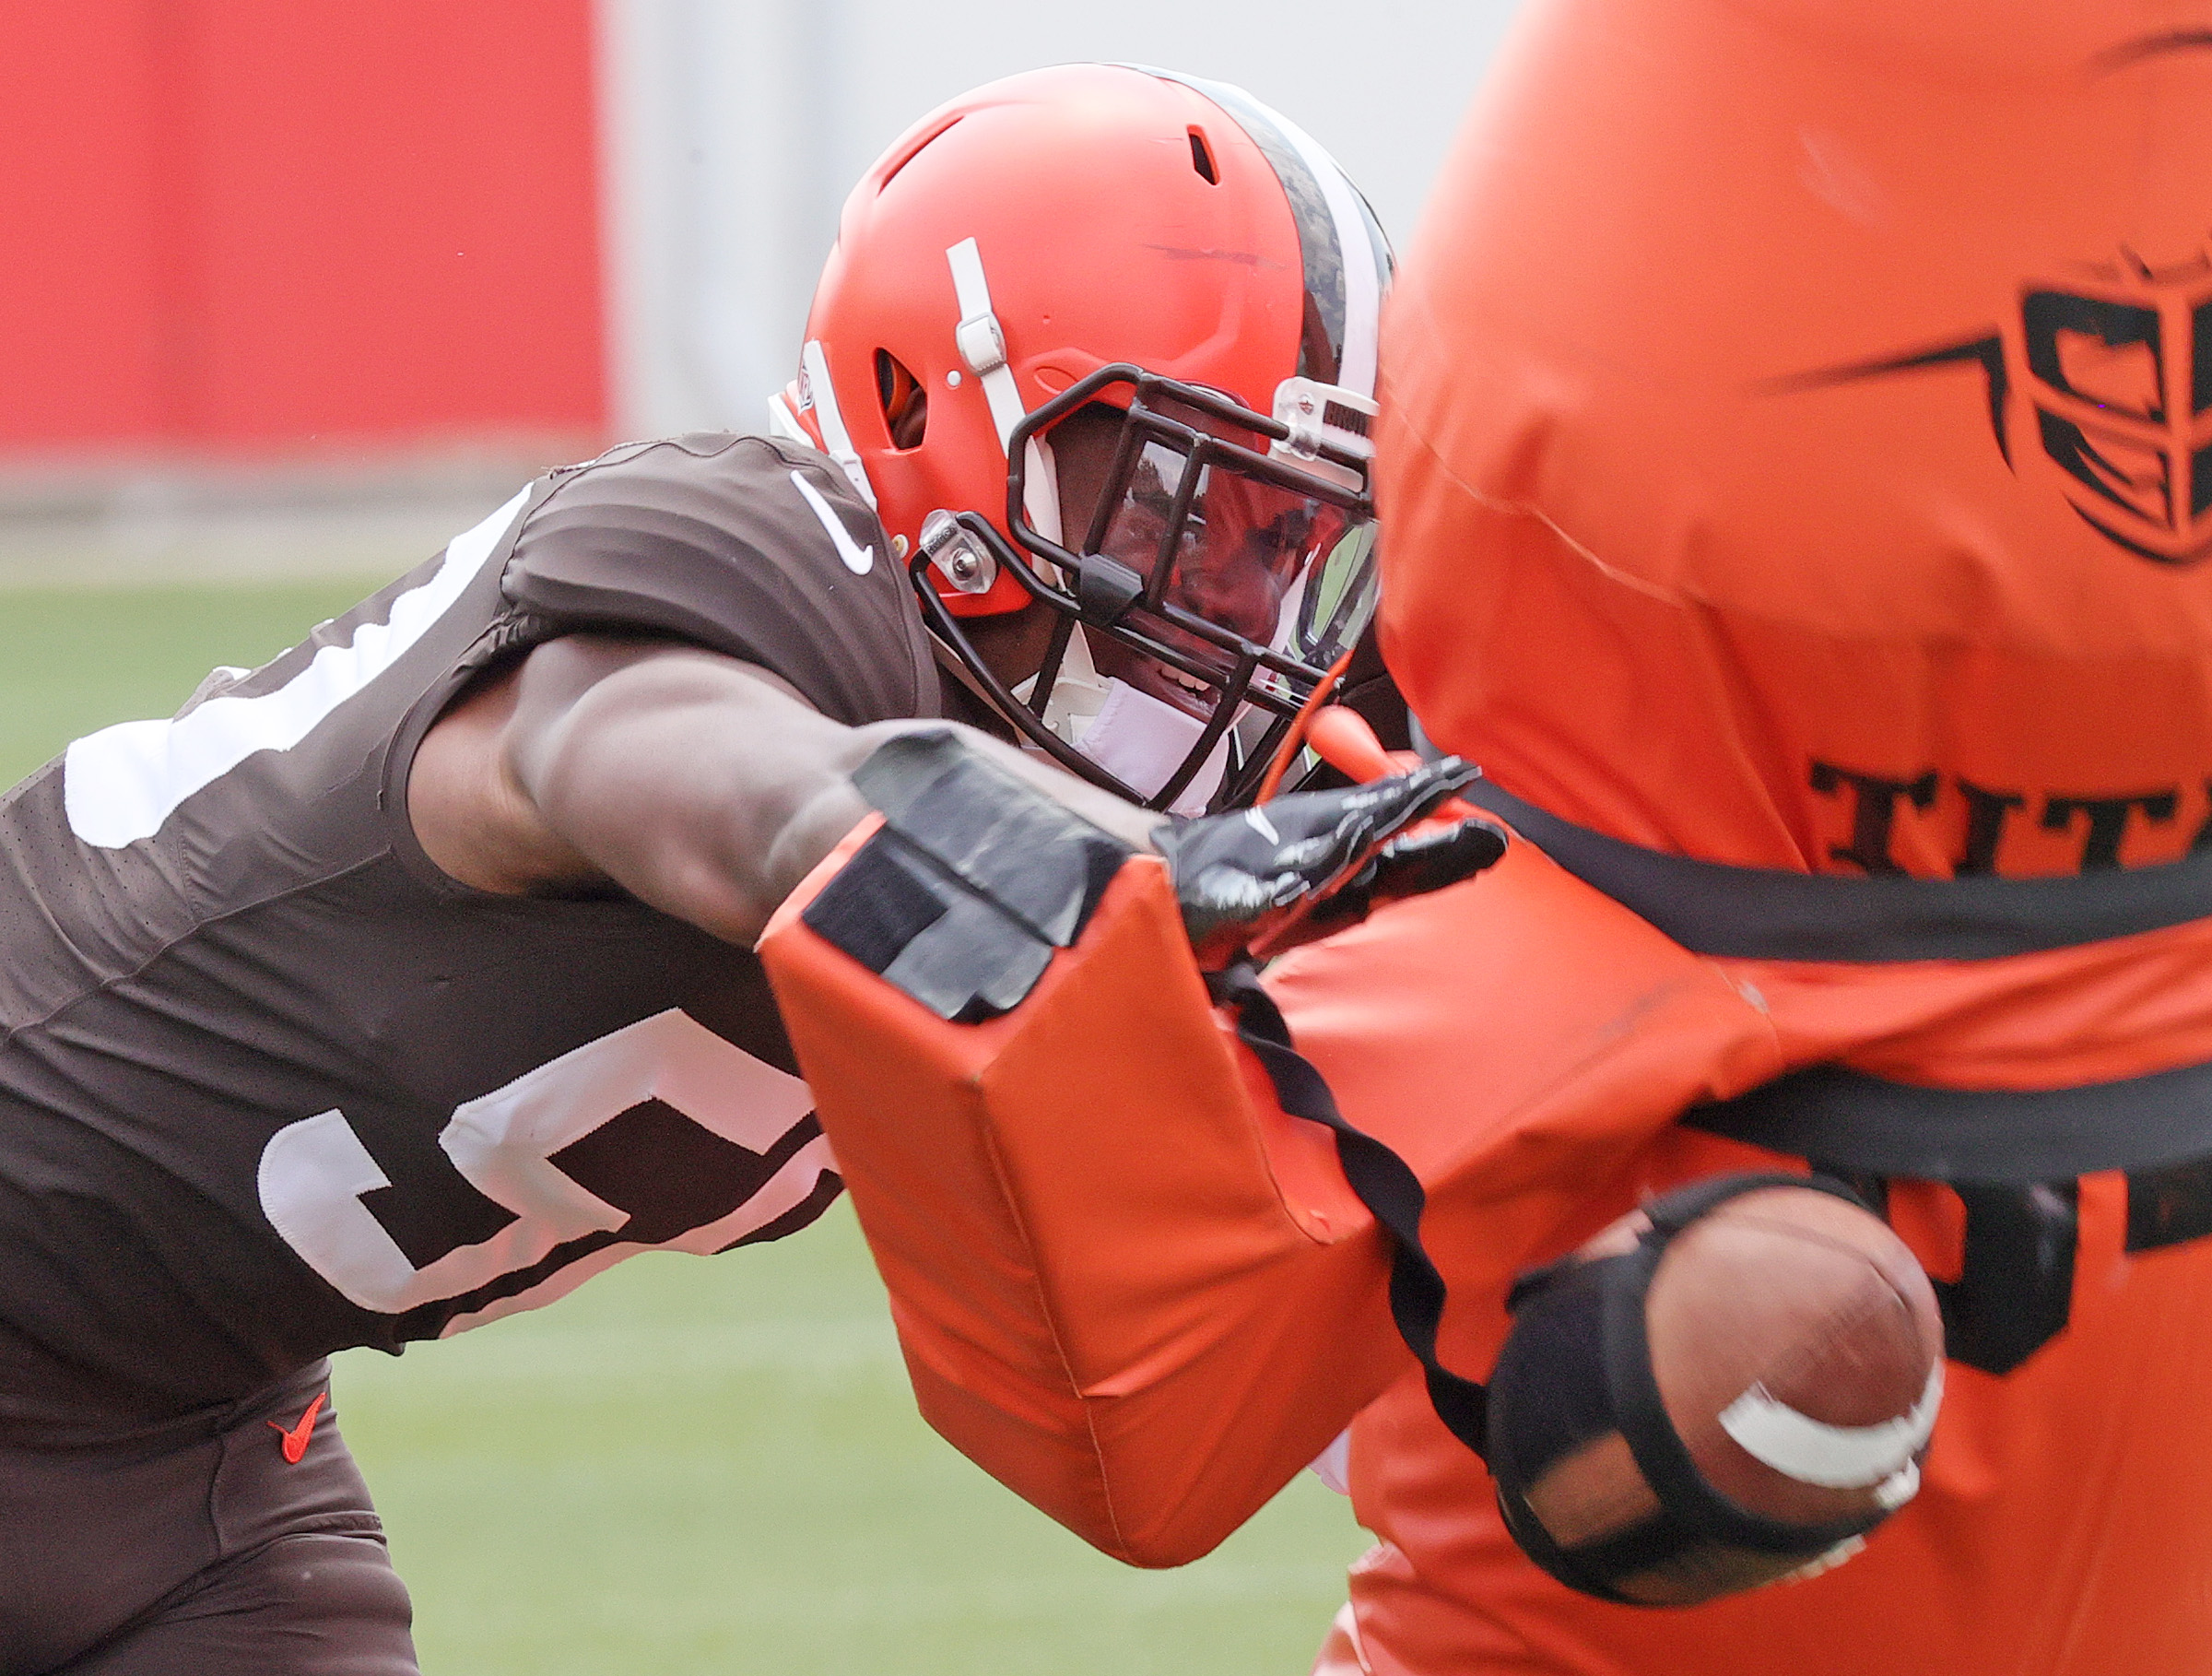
(752, 545)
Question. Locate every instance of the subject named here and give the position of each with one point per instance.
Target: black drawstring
(1384, 1183)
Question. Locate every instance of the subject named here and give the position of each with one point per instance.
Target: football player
(405, 982)
(1798, 459)
(1797, 453)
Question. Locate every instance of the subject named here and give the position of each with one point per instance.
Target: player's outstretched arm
(698, 784)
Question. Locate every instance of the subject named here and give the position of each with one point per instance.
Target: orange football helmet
(1106, 243)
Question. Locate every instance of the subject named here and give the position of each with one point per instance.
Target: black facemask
(1225, 565)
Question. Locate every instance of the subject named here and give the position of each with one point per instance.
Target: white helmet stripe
(837, 443)
(1362, 279)
(1347, 262)
(983, 344)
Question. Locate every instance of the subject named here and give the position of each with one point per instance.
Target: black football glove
(977, 876)
(1259, 880)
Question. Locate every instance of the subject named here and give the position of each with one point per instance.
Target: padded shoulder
(748, 544)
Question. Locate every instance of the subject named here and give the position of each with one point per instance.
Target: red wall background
(230, 226)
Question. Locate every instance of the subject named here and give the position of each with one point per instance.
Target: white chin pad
(1142, 740)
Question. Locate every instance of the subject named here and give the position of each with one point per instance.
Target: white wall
(734, 127)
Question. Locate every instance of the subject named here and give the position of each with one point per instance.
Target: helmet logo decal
(2116, 369)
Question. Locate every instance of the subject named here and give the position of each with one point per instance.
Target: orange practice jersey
(2063, 1523)
(1797, 456)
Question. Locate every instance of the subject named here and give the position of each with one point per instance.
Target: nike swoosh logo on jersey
(295, 1437)
(860, 560)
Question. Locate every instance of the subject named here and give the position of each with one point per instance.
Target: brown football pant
(198, 1546)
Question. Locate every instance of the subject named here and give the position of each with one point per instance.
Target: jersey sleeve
(744, 545)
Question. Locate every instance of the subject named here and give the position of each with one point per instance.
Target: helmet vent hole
(1202, 160)
(905, 403)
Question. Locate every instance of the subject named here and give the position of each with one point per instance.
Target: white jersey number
(313, 1172)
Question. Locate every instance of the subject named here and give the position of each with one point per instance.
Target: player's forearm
(702, 792)
(710, 795)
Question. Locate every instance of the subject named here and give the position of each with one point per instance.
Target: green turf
(714, 1466)
(691, 1466)
(75, 659)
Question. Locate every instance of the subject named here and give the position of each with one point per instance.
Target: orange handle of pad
(1340, 736)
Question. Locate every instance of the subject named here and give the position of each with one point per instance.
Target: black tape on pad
(971, 883)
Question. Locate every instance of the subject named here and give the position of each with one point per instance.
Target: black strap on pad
(973, 881)
(1577, 1365)
(1384, 1183)
(960, 900)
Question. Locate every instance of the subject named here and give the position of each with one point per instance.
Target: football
(1796, 1350)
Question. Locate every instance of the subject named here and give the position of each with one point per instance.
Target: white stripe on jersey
(120, 784)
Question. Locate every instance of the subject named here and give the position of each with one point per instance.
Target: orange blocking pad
(1133, 1289)
(1124, 1287)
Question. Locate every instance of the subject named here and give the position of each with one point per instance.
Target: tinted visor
(1273, 564)
(1218, 563)
(1242, 564)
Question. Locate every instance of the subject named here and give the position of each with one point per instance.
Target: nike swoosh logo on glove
(860, 560)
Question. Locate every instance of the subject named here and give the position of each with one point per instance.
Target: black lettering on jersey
(1873, 809)
(1985, 814)
(2105, 820)
(669, 1173)
(430, 1217)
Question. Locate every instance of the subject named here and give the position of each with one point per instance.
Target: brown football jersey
(272, 1085)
